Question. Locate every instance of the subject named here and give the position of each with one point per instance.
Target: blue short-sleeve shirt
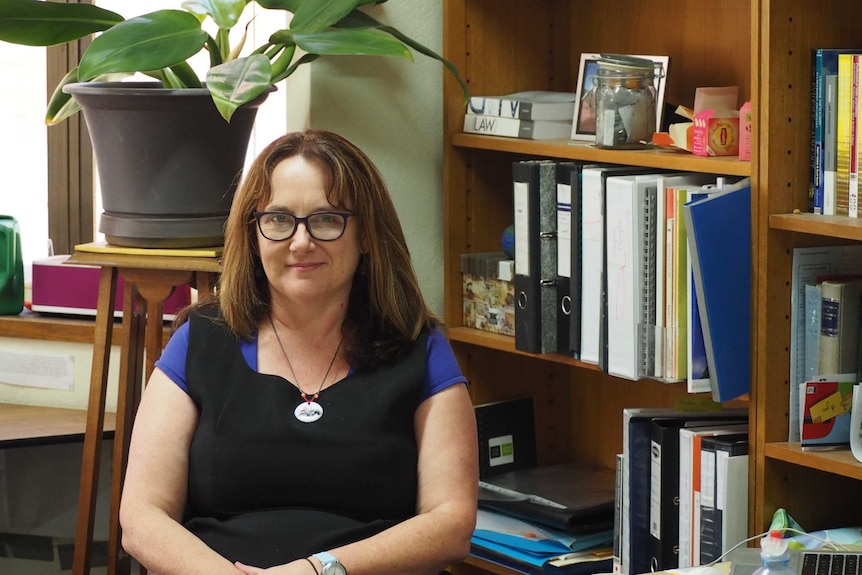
(442, 367)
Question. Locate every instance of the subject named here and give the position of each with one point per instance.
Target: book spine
(592, 257)
(853, 183)
(670, 291)
(619, 495)
(845, 89)
(645, 329)
(710, 536)
(697, 373)
(527, 256)
(830, 142)
(564, 304)
(829, 342)
(680, 276)
(815, 192)
(685, 498)
(548, 255)
(493, 125)
(500, 108)
(731, 495)
(483, 106)
(577, 264)
(657, 334)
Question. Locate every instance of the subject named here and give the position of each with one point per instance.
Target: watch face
(334, 569)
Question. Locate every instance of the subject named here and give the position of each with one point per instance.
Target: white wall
(392, 109)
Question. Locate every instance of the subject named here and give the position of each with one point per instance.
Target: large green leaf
(62, 105)
(360, 20)
(225, 13)
(148, 42)
(36, 23)
(313, 17)
(305, 59)
(234, 83)
(350, 43)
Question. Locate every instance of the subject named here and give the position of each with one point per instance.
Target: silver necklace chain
(293, 374)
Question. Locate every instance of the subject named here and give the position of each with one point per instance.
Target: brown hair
(386, 309)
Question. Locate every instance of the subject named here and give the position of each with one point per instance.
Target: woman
(313, 418)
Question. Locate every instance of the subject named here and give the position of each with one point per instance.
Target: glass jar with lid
(625, 101)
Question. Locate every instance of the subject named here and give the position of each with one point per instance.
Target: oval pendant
(308, 411)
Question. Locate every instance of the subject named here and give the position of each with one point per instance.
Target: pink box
(745, 117)
(715, 135)
(74, 289)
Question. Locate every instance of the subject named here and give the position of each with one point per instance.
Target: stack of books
(531, 115)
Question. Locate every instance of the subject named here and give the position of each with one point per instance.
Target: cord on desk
(830, 544)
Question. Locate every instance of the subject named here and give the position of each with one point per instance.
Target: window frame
(71, 186)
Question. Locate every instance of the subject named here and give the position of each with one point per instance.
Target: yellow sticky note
(827, 408)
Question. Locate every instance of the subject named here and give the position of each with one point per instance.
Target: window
(23, 147)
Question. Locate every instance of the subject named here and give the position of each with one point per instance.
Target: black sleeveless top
(265, 488)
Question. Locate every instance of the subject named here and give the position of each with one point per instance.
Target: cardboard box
(715, 134)
(73, 289)
(489, 304)
(745, 118)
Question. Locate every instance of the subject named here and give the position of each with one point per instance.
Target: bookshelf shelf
(839, 227)
(839, 462)
(575, 150)
(507, 343)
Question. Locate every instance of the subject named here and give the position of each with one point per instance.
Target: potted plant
(164, 211)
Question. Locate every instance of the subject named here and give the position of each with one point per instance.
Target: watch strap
(325, 557)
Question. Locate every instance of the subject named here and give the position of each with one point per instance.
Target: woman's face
(302, 269)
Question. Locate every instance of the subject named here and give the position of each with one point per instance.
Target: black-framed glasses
(322, 226)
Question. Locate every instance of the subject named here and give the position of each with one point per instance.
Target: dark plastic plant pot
(168, 163)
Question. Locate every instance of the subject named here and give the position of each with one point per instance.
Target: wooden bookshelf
(762, 46)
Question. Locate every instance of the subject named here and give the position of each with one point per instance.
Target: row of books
(683, 483)
(835, 132)
(603, 274)
(824, 320)
(532, 115)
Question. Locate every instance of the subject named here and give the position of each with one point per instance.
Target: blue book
(719, 238)
(817, 119)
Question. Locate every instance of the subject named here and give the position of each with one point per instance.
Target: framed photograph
(584, 125)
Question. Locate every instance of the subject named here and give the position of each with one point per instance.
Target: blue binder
(719, 238)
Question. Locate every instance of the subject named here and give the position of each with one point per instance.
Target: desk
(149, 280)
(26, 425)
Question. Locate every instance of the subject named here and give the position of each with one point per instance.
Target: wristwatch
(331, 566)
